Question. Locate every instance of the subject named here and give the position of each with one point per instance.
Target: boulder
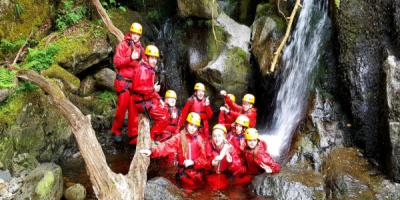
(71, 81)
(4, 93)
(198, 8)
(160, 188)
(362, 27)
(392, 69)
(88, 86)
(230, 69)
(23, 162)
(290, 183)
(75, 192)
(81, 46)
(44, 183)
(105, 78)
(267, 32)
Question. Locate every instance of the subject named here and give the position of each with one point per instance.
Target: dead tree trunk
(106, 184)
(107, 21)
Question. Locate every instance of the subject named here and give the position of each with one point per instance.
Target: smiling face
(238, 129)
(247, 106)
(152, 61)
(191, 129)
(252, 143)
(135, 37)
(218, 137)
(199, 94)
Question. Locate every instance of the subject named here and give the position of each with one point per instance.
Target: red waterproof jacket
(143, 82)
(235, 110)
(254, 157)
(237, 141)
(212, 151)
(173, 122)
(195, 150)
(198, 106)
(122, 58)
(226, 119)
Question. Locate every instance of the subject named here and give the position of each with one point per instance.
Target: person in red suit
(172, 128)
(199, 104)
(225, 117)
(127, 56)
(145, 94)
(247, 107)
(256, 156)
(222, 158)
(236, 135)
(189, 146)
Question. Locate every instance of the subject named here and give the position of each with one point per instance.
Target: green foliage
(337, 3)
(70, 15)
(107, 97)
(18, 10)
(40, 59)
(26, 87)
(154, 15)
(7, 78)
(7, 46)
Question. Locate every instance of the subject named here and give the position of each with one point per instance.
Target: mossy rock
(198, 8)
(29, 123)
(81, 46)
(55, 71)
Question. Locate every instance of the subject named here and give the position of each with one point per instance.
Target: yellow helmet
(199, 86)
(220, 127)
(194, 118)
(232, 97)
(251, 134)
(170, 94)
(152, 50)
(243, 120)
(249, 98)
(136, 28)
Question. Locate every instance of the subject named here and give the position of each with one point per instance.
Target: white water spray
(299, 59)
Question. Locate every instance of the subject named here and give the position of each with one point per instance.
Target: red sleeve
(221, 117)
(121, 59)
(232, 106)
(184, 113)
(264, 157)
(167, 147)
(201, 162)
(252, 115)
(234, 114)
(209, 112)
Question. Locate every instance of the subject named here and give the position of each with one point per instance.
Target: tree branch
(283, 43)
(107, 21)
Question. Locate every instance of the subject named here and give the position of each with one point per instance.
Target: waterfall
(299, 58)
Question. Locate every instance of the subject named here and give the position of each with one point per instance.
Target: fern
(107, 97)
(40, 59)
(7, 78)
(70, 15)
(25, 87)
(7, 46)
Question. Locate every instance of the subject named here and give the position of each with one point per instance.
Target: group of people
(234, 149)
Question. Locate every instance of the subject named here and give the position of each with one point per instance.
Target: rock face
(71, 81)
(30, 124)
(88, 86)
(160, 188)
(231, 69)
(4, 93)
(290, 184)
(361, 29)
(105, 78)
(198, 8)
(43, 183)
(392, 69)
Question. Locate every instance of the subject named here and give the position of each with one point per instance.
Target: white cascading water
(299, 59)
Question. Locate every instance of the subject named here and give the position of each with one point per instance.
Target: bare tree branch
(107, 21)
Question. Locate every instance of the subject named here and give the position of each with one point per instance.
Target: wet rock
(392, 69)
(162, 189)
(105, 78)
(230, 70)
(71, 81)
(31, 124)
(23, 162)
(362, 27)
(5, 175)
(88, 86)
(44, 182)
(75, 192)
(81, 46)
(267, 32)
(290, 184)
(4, 93)
(194, 8)
(388, 190)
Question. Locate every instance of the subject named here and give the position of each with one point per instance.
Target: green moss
(307, 178)
(6, 150)
(7, 78)
(236, 69)
(31, 15)
(10, 109)
(337, 4)
(215, 43)
(55, 71)
(41, 58)
(45, 185)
